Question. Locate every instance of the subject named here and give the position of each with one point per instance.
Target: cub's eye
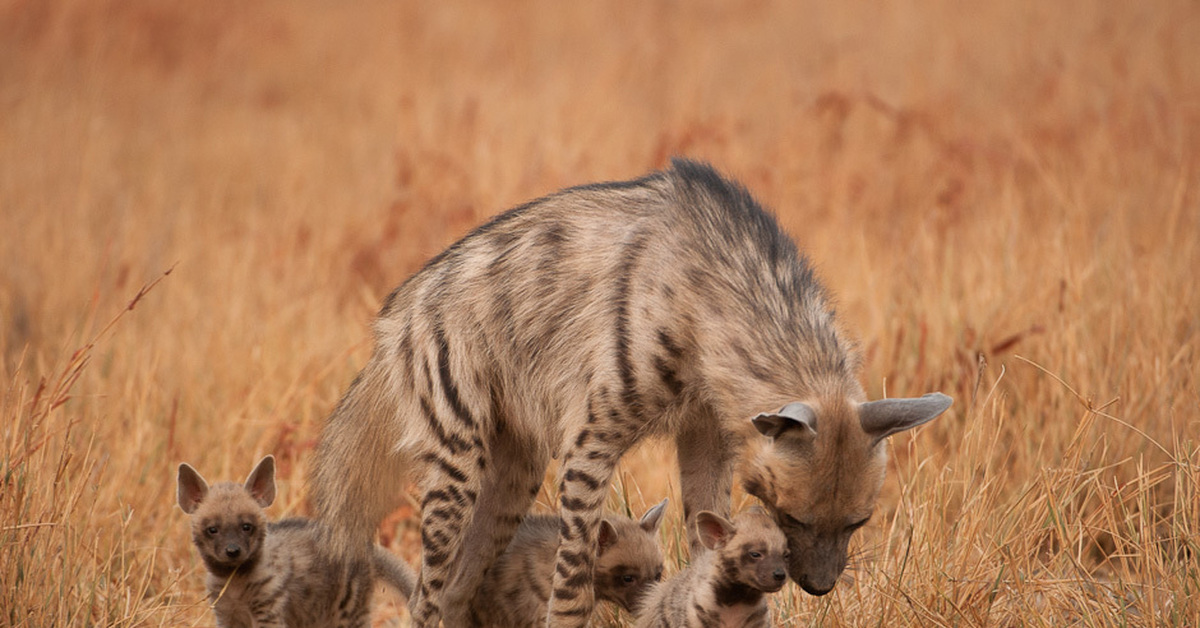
(628, 579)
(787, 554)
(247, 527)
(212, 530)
(658, 577)
(755, 555)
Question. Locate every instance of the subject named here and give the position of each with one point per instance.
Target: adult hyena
(577, 325)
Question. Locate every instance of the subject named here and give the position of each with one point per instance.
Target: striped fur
(268, 575)
(573, 327)
(725, 586)
(516, 589)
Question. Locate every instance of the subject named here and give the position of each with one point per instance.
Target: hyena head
(751, 550)
(228, 522)
(629, 559)
(819, 473)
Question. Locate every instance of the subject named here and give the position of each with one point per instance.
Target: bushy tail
(356, 475)
(393, 571)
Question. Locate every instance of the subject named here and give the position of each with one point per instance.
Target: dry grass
(1003, 196)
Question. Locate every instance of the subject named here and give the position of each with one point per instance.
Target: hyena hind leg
(449, 492)
(514, 474)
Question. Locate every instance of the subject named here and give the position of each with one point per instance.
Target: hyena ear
(261, 483)
(887, 416)
(653, 517)
(714, 529)
(191, 489)
(793, 415)
(606, 537)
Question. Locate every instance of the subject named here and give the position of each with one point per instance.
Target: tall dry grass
(1002, 195)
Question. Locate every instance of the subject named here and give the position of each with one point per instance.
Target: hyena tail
(357, 474)
(394, 572)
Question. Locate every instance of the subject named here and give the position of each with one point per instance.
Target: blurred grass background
(1003, 197)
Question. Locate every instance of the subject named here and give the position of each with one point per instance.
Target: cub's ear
(606, 537)
(191, 488)
(261, 483)
(715, 530)
(887, 416)
(653, 517)
(793, 415)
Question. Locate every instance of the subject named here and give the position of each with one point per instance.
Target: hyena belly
(573, 327)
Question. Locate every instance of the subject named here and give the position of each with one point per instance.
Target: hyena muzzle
(573, 327)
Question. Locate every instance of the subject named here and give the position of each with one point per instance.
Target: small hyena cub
(264, 574)
(724, 586)
(516, 589)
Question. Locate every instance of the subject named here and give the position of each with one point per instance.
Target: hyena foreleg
(587, 470)
(514, 475)
(705, 474)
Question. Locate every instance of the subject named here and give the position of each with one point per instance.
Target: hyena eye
(247, 527)
(628, 579)
(857, 524)
(796, 523)
(658, 577)
(212, 530)
(755, 555)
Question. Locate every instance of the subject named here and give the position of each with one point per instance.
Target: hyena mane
(577, 325)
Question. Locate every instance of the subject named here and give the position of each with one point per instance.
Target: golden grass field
(1004, 196)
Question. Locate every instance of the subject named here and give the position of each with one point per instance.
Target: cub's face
(228, 529)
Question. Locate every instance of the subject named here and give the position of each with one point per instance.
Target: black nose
(780, 575)
(233, 551)
(811, 590)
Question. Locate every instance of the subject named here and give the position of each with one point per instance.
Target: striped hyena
(516, 590)
(726, 585)
(263, 574)
(575, 326)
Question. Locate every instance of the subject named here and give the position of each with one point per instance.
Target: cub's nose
(233, 551)
(780, 575)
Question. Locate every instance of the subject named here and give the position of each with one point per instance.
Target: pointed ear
(191, 489)
(261, 483)
(606, 537)
(793, 415)
(887, 416)
(653, 517)
(715, 530)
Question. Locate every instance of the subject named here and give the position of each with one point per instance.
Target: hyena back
(574, 327)
(726, 584)
(516, 590)
(264, 575)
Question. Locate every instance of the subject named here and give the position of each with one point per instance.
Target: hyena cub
(263, 574)
(516, 590)
(725, 585)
